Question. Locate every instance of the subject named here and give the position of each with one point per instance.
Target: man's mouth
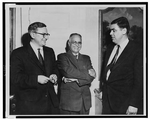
(112, 37)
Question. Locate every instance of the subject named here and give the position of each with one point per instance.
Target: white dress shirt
(121, 48)
(35, 49)
(77, 55)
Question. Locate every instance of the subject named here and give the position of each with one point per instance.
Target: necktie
(111, 65)
(40, 57)
(76, 56)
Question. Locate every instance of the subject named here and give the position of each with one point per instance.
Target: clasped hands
(69, 80)
(43, 79)
(90, 71)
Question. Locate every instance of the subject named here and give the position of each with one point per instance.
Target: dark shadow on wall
(25, 39)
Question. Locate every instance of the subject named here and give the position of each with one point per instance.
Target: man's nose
(45, 38)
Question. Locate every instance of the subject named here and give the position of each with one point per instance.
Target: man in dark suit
(122, 73)
(33, 74)
(78, 73)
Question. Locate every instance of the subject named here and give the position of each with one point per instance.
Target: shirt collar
(75, 54)
(123, 43)
(34, 46)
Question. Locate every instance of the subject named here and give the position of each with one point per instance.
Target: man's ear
(32, 34)
(124, 30)
(69, 42)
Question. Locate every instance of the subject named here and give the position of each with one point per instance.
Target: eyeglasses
(44, 34)
(75, 43)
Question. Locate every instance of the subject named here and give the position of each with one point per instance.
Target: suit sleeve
(83, 82)
(72, 72)
(137, 93)
(18, 74)
(102, 73)
(55, 68)
(101, 77)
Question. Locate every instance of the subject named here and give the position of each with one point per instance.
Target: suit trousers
(66, 112)
(82, 111)
(107, 109)
(33, 107)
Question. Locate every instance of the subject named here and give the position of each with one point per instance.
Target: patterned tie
(111, 65)
(76, 56)
(40, 57)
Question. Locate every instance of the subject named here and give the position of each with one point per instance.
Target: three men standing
(34, 74)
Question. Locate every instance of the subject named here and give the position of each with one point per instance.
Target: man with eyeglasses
(34, 74)
(78, 73)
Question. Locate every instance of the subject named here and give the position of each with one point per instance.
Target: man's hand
(98, 94)
(69, 80)
(53, 78)
(92, 73)
(42, 79)
(132, 110)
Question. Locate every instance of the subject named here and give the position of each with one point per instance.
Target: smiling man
(34, 74)
(122, 73)
(78, 73)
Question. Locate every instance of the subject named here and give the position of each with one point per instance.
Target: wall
(61, 21)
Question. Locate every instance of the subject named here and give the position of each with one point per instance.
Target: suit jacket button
(45, 95)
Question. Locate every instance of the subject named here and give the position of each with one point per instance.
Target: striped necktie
(40, 57)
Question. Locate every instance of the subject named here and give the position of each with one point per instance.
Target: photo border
(72, 3)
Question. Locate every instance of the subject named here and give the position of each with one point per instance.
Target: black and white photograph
(75, 60)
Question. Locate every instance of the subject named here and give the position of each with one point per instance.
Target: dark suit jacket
(74, 95)
(124, 85)
(33, 97)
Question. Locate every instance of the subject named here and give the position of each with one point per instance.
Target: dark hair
(122, 22)
(34, 26)
(75, 34)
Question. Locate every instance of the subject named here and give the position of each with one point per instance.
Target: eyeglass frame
(74, 42)
(44, 34)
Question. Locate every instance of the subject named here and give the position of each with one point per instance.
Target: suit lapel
(46, 56)
(81, 62)
(72, 59)
(34, 58)
(125, 53)
(108, 53)
(47, 59)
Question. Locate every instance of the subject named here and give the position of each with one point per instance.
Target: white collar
(123, 43)
(34, 46)
(75, 54)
